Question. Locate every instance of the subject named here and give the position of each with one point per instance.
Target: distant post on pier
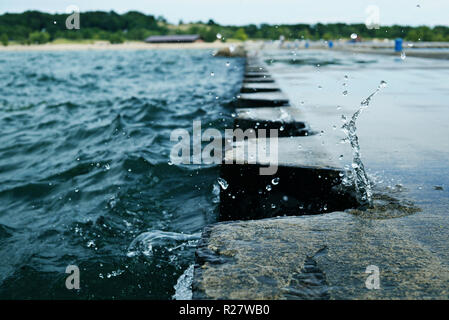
(307, 44)
(330, 43)
(398, 45)
(281, 41)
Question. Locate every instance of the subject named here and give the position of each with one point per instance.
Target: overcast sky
(238, 12)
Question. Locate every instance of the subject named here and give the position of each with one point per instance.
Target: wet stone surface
(315, 257)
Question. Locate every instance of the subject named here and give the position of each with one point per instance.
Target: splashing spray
(360, 178)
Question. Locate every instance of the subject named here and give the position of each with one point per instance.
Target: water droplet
(54, 22)
(340, 157)
(170, 163)
(346, 77)
(212, 74)
(219, 36)
(223, 183)
(383, 84)
(268, 187)
(90, 244)
(299, 146)
(228, 63)
(345, 93)
(275, 181)
(403, 56)
(273, 206)
(354, 36)
(285, 198)
(281, 128)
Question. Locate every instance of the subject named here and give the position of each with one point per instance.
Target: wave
(149, 242)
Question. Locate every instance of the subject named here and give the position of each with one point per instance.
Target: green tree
(208, 35)
(4, 39)
(39, 37)
(304, 34)
(240, 34)
(116, 37)
(328, 36)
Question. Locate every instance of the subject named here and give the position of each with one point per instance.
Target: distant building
(177, 38)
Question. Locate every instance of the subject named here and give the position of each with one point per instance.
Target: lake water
(84, 152)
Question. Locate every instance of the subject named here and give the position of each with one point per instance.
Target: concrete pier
(259, 87)
(306, 181)
(287, 120)
(258, 80)
(258, 99)
(298, 233)
(258, 74)
(315, 257)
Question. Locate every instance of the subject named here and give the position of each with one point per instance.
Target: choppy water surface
(85, 178)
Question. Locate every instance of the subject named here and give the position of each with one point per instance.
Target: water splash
(223, 183)
(359, 177)
(148, 242)
(183, 287)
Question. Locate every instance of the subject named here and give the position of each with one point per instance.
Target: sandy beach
(105, 45)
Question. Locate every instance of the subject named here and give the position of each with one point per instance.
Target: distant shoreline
(104, 45)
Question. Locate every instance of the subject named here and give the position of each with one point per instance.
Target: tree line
(39, 27)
